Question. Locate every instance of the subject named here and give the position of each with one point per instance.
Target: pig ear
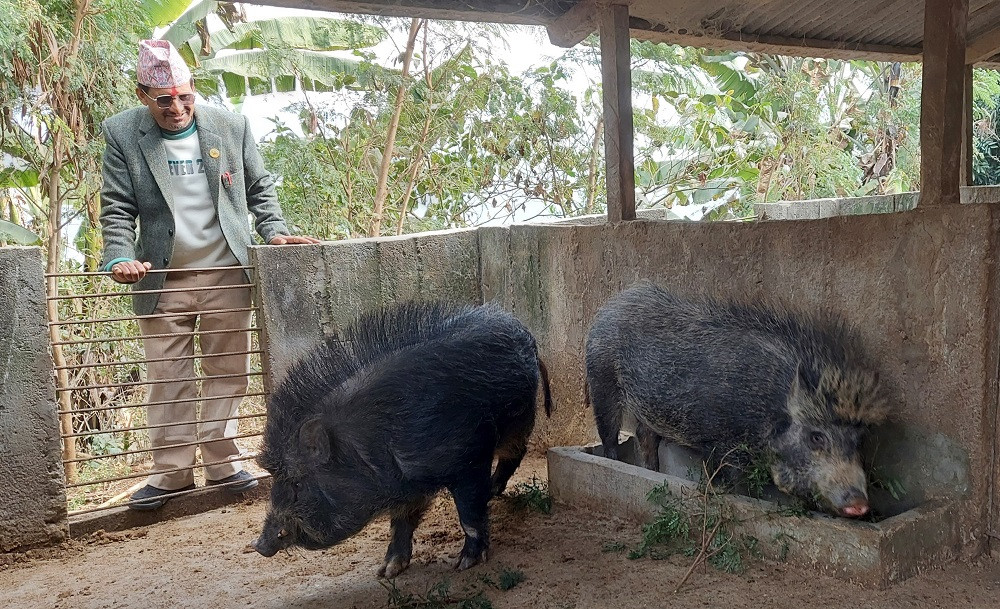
(798, 388)
(800, 398)
(315, 440)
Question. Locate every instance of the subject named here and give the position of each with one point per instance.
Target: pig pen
(920, 286)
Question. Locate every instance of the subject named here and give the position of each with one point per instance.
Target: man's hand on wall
(292, 240)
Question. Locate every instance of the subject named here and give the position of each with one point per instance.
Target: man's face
(176, 116)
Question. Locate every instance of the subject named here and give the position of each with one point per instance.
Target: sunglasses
(164, 101)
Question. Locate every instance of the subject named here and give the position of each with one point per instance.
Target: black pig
(737, 379)
(416, 398)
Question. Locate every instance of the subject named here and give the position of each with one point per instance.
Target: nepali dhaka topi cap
(161, 66)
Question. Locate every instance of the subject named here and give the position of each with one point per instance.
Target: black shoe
(152, 498)
(238, 483)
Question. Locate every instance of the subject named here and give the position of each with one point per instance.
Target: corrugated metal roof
(851, 27)
(885, 22)
(881, 29)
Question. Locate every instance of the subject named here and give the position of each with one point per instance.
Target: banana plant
(270, 55)
(18, 234)
(163, 12)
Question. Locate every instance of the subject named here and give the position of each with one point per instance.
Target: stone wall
(32, 492)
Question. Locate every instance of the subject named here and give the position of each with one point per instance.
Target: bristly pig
(413, 399)
(742, 379)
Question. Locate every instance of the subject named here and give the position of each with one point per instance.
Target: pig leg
(509, 456)
(608, 401)
(405, 519)
(649, 445)
(471, 498)
(505, 469)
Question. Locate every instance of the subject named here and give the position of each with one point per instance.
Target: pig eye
(817, 440)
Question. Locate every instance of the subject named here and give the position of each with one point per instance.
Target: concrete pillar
(32, 490)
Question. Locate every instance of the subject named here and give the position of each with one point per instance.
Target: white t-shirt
(198, 238)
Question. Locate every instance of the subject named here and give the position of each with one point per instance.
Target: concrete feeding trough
(873, 554)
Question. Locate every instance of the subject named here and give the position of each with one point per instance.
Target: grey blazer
(137, 218)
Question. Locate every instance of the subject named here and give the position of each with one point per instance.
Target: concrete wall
(828, 208)
(32, 495)
(308, 292)
(853, 206)
(921, 286)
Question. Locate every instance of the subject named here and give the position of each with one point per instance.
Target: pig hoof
(470, 561)
(393, 567)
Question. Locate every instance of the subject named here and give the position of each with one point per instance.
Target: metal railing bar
(130, 502)
(111, 339)
(175, 494)
(161, 381)
(157, 359)
(133, 476)
(151, 316)
(160, 425)
(160, 403)
(159, 291)
(151, 271)
(151, 449)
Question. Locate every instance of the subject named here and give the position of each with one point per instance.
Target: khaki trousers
(211, 437)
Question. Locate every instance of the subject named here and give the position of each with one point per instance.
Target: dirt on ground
(558, 560)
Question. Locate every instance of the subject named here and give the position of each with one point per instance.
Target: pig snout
(270, 542)
(841, 483)
(854, 503)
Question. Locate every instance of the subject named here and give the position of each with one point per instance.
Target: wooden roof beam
(800, 47)
(984, 47)
(573, 26)
(527, 12)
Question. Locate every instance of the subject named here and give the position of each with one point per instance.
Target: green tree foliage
(746, 127)
(986, 128)
(63, 72)
(15, 233)
(472, 139)
(62, 75)
(478, 143)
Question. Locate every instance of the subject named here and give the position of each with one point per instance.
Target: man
(179, 184)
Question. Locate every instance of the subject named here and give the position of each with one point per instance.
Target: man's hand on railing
(129, 271)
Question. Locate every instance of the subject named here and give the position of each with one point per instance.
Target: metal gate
(101, 386)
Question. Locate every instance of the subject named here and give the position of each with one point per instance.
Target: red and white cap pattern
(161, 66)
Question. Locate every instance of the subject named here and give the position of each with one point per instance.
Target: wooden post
(616, 76)
(942, 101)
(967, 133)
